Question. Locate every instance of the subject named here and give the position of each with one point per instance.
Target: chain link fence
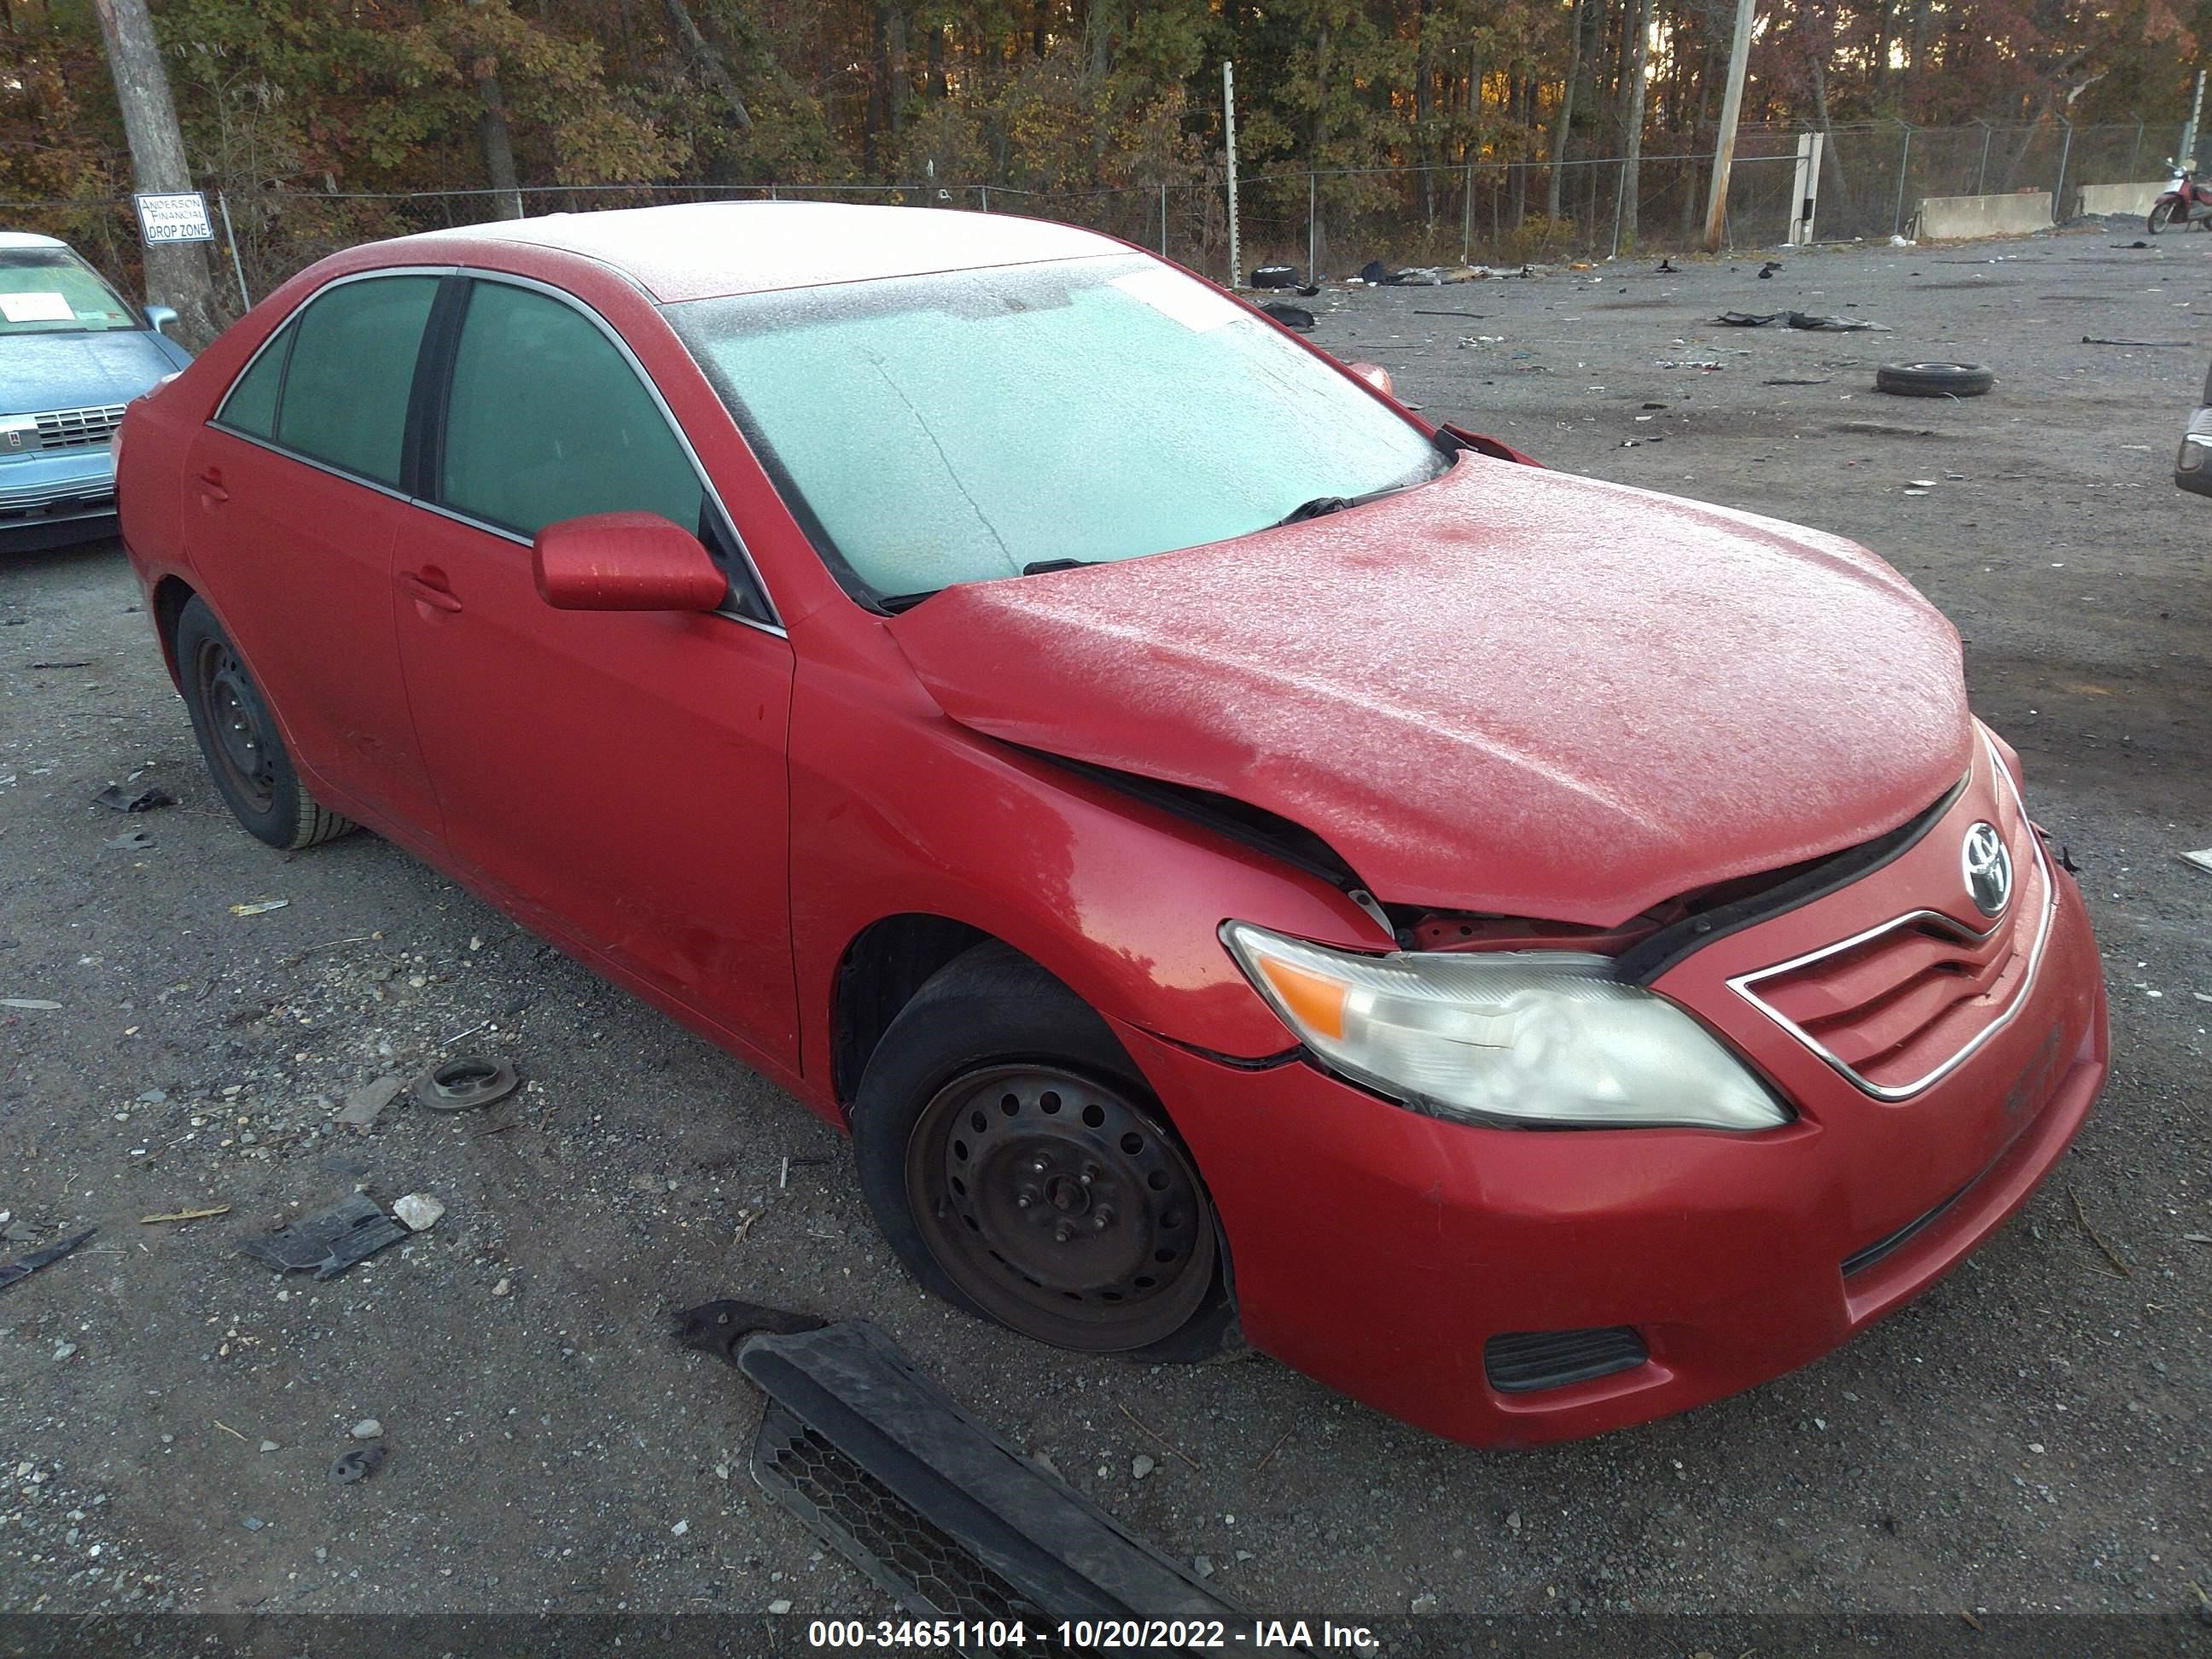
(1332, 223)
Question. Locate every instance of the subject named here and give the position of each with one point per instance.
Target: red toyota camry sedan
(1246, 864)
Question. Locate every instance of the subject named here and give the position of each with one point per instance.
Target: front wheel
(2161, 215)
(239, 739)
(1017, 1163)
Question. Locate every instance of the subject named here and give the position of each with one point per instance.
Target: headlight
(1509, 1036)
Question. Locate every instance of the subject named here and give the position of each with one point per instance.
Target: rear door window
(345, 392)
(547, 421)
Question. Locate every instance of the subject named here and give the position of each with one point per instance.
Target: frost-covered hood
(1510, 690)
(40, 372)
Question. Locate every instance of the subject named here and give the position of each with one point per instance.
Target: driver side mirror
(625, 562)
(159, 318)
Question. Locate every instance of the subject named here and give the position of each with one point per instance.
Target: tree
(176, 272)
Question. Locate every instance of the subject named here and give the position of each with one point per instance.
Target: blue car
(73, 353)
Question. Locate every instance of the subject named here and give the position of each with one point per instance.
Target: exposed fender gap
(1663, 950)
(1250, 826)
(1235, 1063)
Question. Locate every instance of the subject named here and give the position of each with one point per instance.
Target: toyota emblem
(1988, 868)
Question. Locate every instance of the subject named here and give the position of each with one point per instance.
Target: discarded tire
(1933, 379)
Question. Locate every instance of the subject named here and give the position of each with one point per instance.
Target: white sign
(182, 217)
(35, 309)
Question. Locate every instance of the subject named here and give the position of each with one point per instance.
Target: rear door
(618, 774)
(293, 499)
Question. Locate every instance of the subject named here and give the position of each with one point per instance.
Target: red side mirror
(625, 562)
(1376, 375)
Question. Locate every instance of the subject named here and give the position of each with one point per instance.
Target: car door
(292, 500)
(618, 775)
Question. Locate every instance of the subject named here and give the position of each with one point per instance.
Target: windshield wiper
(1319, 506)
(1040, 567)
(894, 603)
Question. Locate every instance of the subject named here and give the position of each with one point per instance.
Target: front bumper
(61, 496)
(1379, 1250)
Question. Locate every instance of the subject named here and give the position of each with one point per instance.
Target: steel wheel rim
(1057, 1204)
(236, 742)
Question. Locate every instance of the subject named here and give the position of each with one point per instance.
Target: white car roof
(28, 239)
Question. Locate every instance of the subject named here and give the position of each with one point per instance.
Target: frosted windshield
(960, 426)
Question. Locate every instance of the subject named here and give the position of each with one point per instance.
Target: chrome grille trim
(1741, 983)
(78, 429)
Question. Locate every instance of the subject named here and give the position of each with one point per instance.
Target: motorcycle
(2187, 204)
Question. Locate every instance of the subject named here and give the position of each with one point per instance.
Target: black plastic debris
(1802, 320)
(148, 800)
(1376, 271)
(358, 1464)
(349, 1231)
(24, 1266)
(1296, 317)
(1275, 276)
(936, 1508)
(463, 1084)
(1665, 269)
(1768, 269)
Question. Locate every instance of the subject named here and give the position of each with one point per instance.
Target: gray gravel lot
(2029, 1436)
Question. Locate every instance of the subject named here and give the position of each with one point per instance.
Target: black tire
(991, 1036)
(1933, 379)
(2161, 216)
(239, 741)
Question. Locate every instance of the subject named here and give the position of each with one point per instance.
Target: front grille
(899, 1546)
(1899, 1006)
(1522, 1361)
(78, 429)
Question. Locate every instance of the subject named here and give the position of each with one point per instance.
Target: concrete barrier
(1956, 218)
(2129, 201)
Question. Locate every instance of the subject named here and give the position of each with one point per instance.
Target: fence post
(245, 299)
(1619, 199)
(1903, 167)
(2135, 149)
(1982, 173)
(2058, 191)
(1467, 217)
(1163, 222)
(1313, 233)
(986, 198)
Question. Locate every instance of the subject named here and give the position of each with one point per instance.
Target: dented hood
(1509, 690)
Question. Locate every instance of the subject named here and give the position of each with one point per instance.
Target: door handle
(212, 490)
(428, 588)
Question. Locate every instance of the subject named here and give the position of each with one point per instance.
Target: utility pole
(2187, 158)
(1731, 108)
(1229, 132)
(177, 272)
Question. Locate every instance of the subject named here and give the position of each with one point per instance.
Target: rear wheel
(1016, 1161)
(2161, 216)
(239, 739)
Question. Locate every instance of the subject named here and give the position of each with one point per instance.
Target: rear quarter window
(251, 408)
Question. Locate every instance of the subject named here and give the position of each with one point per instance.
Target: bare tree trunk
(938, 88)
(176, 272)
(1425, 75)
(703, 53)
(498, 144)
(901, 81)
(1636, 55)
(1566, 116)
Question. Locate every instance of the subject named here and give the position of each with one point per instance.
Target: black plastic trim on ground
(1522, 1362)
(933, 1505)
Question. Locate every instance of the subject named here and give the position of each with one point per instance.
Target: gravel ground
(2028, 1437)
